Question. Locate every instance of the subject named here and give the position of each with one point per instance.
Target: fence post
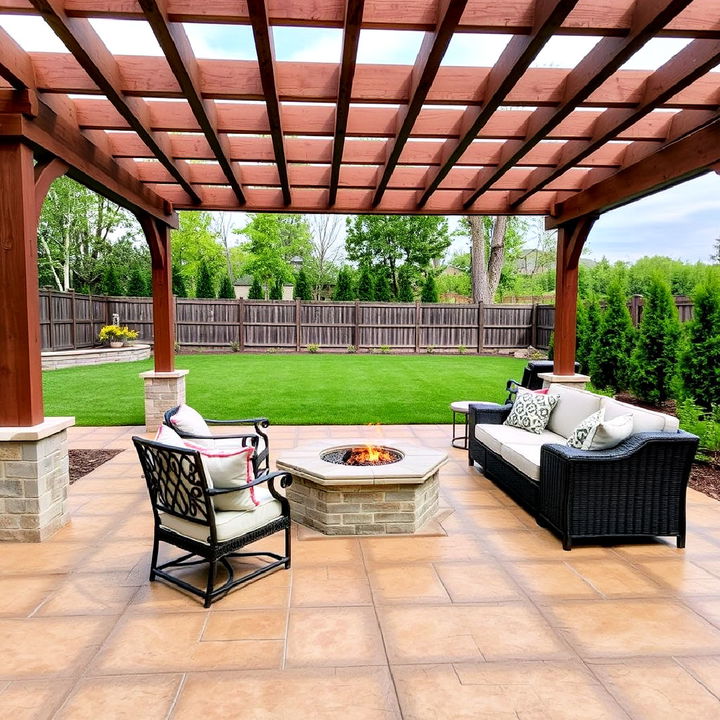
(356, 329)
(533, 325)
(481, 327)
(635, 303)
(241, 324)
(51, 320)
(73, 328)
(418, 312)
(298, 325)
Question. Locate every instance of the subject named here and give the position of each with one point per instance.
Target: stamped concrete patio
(489, 618)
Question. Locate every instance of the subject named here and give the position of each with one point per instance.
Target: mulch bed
(83, 462)
(704, 476)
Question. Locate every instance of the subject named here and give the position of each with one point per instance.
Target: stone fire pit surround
(338, 499)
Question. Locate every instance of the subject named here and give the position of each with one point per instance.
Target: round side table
(461, 408)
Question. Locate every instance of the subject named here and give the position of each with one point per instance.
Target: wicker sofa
(635, 488)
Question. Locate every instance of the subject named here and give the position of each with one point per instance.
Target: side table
(461, 407)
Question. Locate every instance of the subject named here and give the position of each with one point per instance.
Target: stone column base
(34, 480)
(576, 381)
(163, 390)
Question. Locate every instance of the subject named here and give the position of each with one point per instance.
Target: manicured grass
(290, 389)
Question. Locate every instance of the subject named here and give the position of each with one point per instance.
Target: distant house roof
(247, 281)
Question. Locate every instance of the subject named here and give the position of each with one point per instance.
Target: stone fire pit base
(398, 498)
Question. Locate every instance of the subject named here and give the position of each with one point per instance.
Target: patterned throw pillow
(582, 436)
(531, 411)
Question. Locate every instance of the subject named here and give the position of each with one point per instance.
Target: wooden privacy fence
(72, 320)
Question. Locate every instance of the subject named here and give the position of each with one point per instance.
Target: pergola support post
(34, 474)
(570, 241)
(164, 386)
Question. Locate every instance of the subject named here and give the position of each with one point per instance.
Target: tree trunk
(477, 257)
(496, 259)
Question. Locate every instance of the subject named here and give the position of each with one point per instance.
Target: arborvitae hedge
(276, 290)
(178, 283)
(429, 290)
(204, 284)
(587, 332)
(137, 285)
(226, 290)
(654, 361)
(610, 358)
(111, 282)
(303, 291)
(383, 291)
(366, 285)
(405, 288)
(256, 291)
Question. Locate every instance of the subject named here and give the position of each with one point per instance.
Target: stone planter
(117, 344)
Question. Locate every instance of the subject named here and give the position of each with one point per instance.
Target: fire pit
(360, 488)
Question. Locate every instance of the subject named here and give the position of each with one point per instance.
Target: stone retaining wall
(94, 356)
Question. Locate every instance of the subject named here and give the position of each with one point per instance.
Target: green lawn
(290, 389)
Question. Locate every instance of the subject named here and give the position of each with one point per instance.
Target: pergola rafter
(180, 56)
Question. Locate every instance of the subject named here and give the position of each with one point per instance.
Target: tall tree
(137, 286)
(303, 291)
(326, 251)
(222, 226)
(256, 291)
(273, 240)
(405, 288)
(226, 290)
(204, 286)
(343, 287)
(587, 331)
(178, 282)
(366, 285)
(389, 241)
(610, 360)
(383, 289)
(194, 243)
(111, 284)
(654, 360)
(429, 289)
(276, 289)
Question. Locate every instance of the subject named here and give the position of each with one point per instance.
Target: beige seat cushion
(572, 408)
(526, 458)
(495, 436)
(643, 420)
(229, 524)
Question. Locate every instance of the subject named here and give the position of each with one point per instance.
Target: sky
(680, 222)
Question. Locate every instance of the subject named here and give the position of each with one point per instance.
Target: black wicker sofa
(634, 489)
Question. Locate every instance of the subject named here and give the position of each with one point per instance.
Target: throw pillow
(190, 421)
(610, 433)
(229, 468)
(531, 411)
(582, 436)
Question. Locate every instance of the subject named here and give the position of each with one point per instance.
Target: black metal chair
(182, 502)
(530, 379)
(258, 439)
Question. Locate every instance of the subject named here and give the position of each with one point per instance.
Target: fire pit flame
(363, 455)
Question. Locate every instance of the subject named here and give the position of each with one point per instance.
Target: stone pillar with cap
(163, 390)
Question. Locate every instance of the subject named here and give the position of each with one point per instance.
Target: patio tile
(326, 551)
(657, 689)
(482, 519)
(471, 497)
(118, 555)
(173, 643)
(622, 628)
(551, 579)
(20, 596)
(246, 625)
(107, 504)
(85, 528)
(538, 545)
(467, 633)
(706, 670)
(41, 558)
(420, 549)
(148, 697)
(503, 691)
(407, 584)
(358, 693)
(682, 576)
(330, 586)
(96, 594)
(334, 637)
(44, 646)
(476, 582)
(32, 699)
(614, 578)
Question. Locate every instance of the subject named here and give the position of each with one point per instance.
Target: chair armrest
(511, 387)
(285, 481)
(488, 413)
(261, 421)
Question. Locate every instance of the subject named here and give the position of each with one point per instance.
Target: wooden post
(570, 241)
(241, 324)
(481, 327)
(73, 314)
(533, 325)
(356, 330)
(51, 322)
(20, 364)
(635, 304)
(157, 235)
(418, 313)
(298, 325)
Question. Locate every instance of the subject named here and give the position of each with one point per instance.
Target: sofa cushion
(495, 436)
(526, 458)
(531, 411)
(573, 406)
(610, 433)
(643, 420)
(229, 524)
(582, 436)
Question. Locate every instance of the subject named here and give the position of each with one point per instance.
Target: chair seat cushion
(526, 458)
(229, 524)
(495, 436)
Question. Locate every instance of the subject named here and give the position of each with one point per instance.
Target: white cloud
(31, 33)
(221, 42)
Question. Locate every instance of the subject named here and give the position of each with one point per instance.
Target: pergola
(158, 134)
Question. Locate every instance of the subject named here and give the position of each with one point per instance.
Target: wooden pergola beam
(88, 49)
(15, 64)
(266, 63)
(351, 39)
(179, 53)
(427, 64)
(585, 78)
(510, 67)
(691, 63)
(693, 155)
